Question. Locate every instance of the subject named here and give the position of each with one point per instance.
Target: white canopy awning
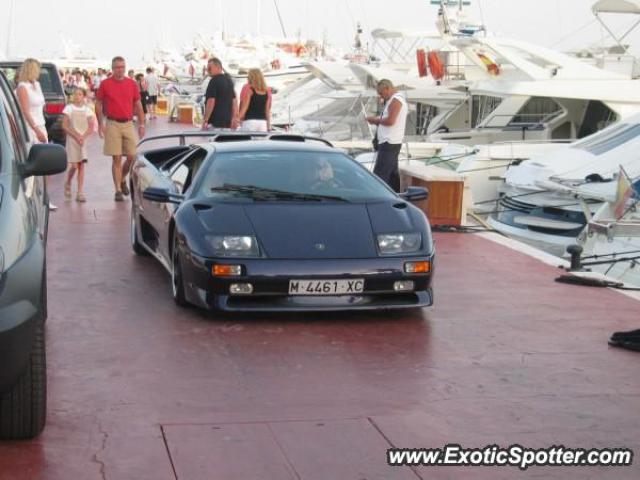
(383, 33)
(617, 6)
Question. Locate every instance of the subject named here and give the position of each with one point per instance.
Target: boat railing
(537, 123)
(530, 121)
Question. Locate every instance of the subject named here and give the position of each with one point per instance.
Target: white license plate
(326, 287)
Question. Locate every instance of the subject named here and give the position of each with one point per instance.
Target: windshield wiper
(260, 192)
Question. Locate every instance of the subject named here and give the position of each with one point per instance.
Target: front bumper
(270, 281)
(20, 292)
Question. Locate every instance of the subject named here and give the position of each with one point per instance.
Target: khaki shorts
(120, 139)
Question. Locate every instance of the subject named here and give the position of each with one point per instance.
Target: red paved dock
(142, 389)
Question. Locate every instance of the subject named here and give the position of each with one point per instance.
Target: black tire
(44, 304)
(177, 283)
(23, 409)
(137, 247)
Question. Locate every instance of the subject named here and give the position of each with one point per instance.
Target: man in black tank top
(221, 105)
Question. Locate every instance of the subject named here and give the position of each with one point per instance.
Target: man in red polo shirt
(117, 99)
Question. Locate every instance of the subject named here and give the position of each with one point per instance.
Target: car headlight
(398, 243)
(235, 245)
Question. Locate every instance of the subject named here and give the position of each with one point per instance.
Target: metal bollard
(575, 251)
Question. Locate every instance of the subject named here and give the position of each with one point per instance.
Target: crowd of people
(111, 103)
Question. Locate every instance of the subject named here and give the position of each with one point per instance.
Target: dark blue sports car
(279, 222)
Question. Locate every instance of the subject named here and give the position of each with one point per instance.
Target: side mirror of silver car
(45, 159)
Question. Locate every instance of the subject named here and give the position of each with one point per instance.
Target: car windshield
(46, 82)
(291, 176)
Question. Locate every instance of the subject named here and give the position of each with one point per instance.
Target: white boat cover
(617, 6)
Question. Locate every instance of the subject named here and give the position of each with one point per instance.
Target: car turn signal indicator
(417, 267)
(226, 270)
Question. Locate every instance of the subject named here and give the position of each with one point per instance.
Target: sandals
(67, 191)
(81, 198)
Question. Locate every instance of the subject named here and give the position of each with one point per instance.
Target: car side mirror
(415, 194)
(161, 195)
(45, 159)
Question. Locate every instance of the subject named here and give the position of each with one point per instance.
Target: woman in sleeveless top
(255, 103)
(31, 99)
(32, 102)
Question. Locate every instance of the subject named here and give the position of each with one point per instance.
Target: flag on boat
(627, 191)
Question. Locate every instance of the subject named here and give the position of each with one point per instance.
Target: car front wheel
(23, 409)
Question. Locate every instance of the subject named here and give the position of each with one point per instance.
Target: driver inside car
(323, 177)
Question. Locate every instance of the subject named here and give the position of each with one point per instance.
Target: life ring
(436, 67)
(421, 58)
(492, 67)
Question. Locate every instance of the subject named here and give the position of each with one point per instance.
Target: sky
(134, 27)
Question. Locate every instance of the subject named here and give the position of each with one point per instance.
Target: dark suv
(23, 281)
(54, 96)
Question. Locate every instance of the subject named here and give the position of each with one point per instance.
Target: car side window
(184, 173)
(16, 123)
(14, 149)
(180, 176)
(7, 153)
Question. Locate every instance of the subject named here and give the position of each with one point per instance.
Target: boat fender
(436, 67)
(421, 57)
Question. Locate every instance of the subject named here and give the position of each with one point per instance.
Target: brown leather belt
(120, 120)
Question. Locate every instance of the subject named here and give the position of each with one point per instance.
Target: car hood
(309, 230)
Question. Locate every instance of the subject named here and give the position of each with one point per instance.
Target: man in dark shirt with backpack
(221, 109)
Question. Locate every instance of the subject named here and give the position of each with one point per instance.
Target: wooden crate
(185, 114)
(445, 205)
(162, 108)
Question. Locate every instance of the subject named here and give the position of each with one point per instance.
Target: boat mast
(258, 9)
(275, 2)
(10, 28)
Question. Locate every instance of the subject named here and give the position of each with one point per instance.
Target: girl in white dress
(32, 102)
(78, 123)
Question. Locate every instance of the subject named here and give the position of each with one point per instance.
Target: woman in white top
(32, 102)
(31, 99)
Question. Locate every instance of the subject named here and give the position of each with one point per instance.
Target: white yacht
(538, 202)
(611, 239)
